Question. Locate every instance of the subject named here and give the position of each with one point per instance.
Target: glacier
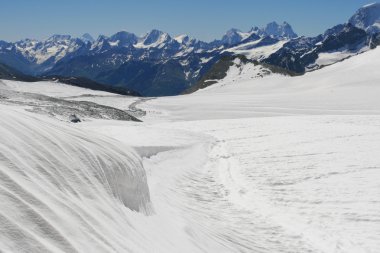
(254, 163)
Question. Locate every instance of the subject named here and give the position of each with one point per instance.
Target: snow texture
(63, 189)
(271, 164)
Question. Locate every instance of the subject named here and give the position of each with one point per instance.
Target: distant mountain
(273, 30)
(148, 78)
(154, 38)
(367, 18)
(49, 51)
(154, 64)
(303, 54)
(90, 84)
(9, 73)
(221, 70)
(158, 64)
(234, 36)
(87, 38)
(123, 39)
(283, 30)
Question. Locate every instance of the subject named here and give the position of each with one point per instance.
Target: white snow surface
(348, 87)
(272, 164)
(53, 89)
(258, 53)
(240, 72)
(329, 58)
(65, 190)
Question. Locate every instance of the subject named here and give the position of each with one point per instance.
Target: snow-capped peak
(234, 36)
(275, 30)
(278, 31)
(154, 38)
(185, 40)
(53, 49)
(255, 29)
(123, 39)
(367, 18)
(59, 38)
(181, 39)
(100, 44)
(283, 30)
(87, 38)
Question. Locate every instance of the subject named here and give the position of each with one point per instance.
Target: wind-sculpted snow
(270, 165)
(65, 190)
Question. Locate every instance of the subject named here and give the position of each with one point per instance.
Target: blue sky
(202, 19)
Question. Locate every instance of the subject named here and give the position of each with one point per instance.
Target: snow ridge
(367, 18)
(59, 187)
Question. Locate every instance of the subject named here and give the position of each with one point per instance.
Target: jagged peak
(155, 36)
(59, 37)
(87, 38)
(124, 38)
(273, 23)
(233, 30)
(123, 33)
(101, 37)
(27, 40)
(155, 32)
(182, 39)
(234, 36)
(283, 30)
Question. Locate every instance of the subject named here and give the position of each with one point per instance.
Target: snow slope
(329, 58)
(302, 180)
(348, 87)
(65, 190)
(49, 88)
(272, 164)
(277, 184)
(256, 53)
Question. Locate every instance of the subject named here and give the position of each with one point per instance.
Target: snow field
(273, 164)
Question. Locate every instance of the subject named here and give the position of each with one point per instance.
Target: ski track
(322, 197)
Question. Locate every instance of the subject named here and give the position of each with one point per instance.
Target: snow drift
(64, 190)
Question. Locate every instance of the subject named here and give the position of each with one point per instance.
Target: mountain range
(158, 64)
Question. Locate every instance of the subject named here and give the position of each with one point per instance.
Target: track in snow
(301, 183)
(253, 186)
